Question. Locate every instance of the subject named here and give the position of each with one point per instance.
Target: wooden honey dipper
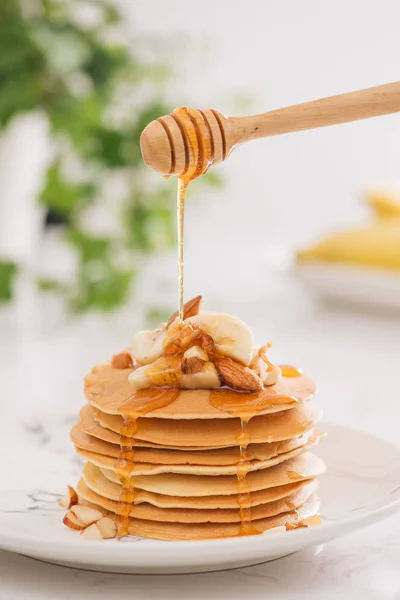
(188, 141)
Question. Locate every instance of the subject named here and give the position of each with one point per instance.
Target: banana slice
(139, 379)
(231, 336)
(148, 345)
(205, 379)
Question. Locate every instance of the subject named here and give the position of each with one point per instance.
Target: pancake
(92, 427)
(97, 482)
(266, 428)
(106, 388)
(141, 468)
(198, 531)
(224, 456)
(304, 466)
(187, 515)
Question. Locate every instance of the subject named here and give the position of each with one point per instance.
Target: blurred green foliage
(72, 60)
(8, 270)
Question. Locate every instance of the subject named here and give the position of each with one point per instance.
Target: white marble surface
(354, 357)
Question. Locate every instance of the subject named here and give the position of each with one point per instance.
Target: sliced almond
(190, 309)
(237, 376)
(91, 533)
(207, 342)
(190, 365)
(196, 351)
(72, 522)
(70, 498)
(86, 514)
(184, 337)
(123, 360)
(107, 528)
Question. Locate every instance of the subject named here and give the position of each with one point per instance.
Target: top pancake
(107, 388)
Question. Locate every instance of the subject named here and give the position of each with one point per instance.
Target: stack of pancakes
(183, 467)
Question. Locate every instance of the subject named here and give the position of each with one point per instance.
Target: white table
(356, 361)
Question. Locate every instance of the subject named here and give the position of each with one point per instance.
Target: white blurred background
(279, 194)
(283, 191)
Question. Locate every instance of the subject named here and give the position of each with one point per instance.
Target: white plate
(371, 288)
(361, 486)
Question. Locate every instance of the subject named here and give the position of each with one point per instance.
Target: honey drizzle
(142, 402)
(123, 468)
(245, 406)
(198, 136)
(242, 469)
(182, 187)
(290, 371)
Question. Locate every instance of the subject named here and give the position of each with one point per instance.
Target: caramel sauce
(242, 469)
(290, 371)
(142, 402)
(247, 404)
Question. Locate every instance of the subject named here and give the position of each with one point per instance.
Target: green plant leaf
(50, 285)
(155, 315)
(8, 271)
(62, 197)
(90, 247)
(108, 291)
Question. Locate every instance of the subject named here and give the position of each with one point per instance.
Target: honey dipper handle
(371, 102)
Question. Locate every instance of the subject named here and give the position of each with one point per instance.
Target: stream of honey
(200, 154)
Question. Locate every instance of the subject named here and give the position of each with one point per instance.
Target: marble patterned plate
(361, 487)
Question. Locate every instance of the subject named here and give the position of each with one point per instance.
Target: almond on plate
(237, 376)
(85, 514)
(72, 522)
(70, 498)
(92, 533)
(107, 528)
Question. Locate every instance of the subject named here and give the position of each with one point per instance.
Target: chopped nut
(190, 365)
(107, 528)
(92, 533)
(196, 351)
(184, 337)
(123, 360)
(72, 522)
(237, 376)
(190, 309)
(85, 514)
(70, 498)
(207, 343)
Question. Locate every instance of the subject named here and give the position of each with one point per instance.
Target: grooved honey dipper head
(185, 143)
